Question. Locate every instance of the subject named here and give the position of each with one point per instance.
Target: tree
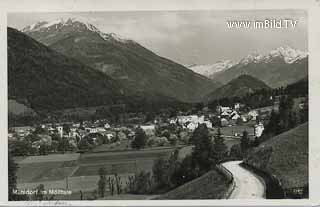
(63, 145)
(245, 142)
(44, 149)
(272, 127)
(235, 151)
(84, 144)
(219, 147)
(203, 149)
(159, 169)
(140, 139)
(102, 182)
(66, 128)
(186, 171)
(164, 171)
(21, 148)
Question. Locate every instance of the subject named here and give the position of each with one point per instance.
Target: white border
(313, 8)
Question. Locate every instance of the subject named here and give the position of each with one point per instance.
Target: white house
(109, 136)
(235, 116)
(173, 121)
(208, 124)
(192, 126)
(91, 129)
(101, 129)
(60, 130)
(148, 129)
(253, 114)
(225, 114)
(258, 129)
(107, 126)
(244, 118)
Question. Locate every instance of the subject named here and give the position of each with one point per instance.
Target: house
(208, 124)
(109, 136)
(253, 114)
(60, 130)
(258, 129)
(224, 122)
(236, 106)
(107, 126)
(23, 131)
(91, 130)
(191, 118)
(244, 118)
(192, 126)
(225, 114)
(148, 129)
(101, 129)
(235, 116)
(173, 121)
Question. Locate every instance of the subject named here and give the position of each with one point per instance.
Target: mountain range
(279, 67)
(209, 70)
(125, 61)
(70, 63)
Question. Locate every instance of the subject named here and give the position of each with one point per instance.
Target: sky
(190, 37)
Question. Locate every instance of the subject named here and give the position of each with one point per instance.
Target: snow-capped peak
(75, 25)
(288, 54)
(210, 69)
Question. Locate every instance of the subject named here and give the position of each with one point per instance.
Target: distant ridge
(239, 86)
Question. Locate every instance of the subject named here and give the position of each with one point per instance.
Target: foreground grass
(211, 185)
(285, 156)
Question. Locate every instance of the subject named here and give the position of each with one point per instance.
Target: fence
(230, 179)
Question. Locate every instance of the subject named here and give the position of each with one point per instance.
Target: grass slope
(284, 156)
(211, 185)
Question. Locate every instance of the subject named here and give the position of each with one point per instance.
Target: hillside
(280, 67)
(239, 86)
(124, 60)
(44, 79)
(285, 156)
(211, 185)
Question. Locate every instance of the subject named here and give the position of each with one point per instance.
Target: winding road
(247, 184)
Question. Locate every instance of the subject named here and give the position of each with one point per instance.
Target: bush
(140, 139)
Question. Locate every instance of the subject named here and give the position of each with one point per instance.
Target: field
(80, 172)
(120, 162)
(230, 131)
(50, 158)
(46, 168)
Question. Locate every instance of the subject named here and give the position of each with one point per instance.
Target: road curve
(247, 184)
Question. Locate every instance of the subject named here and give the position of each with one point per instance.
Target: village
(102, 135)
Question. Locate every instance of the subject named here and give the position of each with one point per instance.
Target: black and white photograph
(158, 105)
